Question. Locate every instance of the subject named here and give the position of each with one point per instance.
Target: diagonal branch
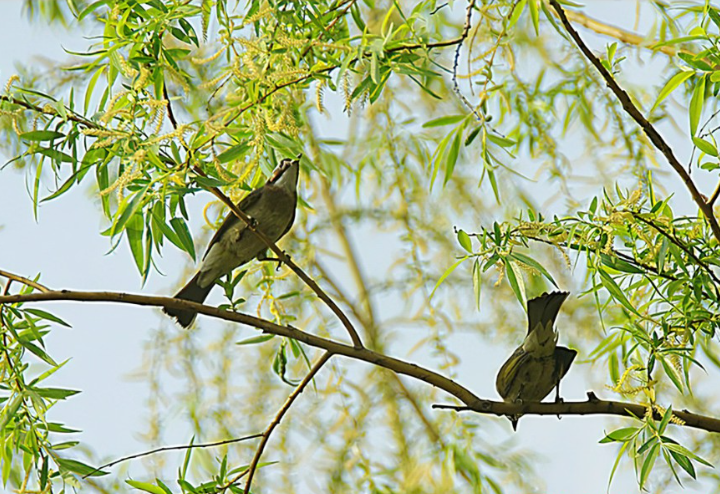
(285, 259)
(278, 417)
(644, 124)
(593, 406)
(24, 281)
(359, 353)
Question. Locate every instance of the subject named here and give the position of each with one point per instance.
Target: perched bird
(272, 207)
(538, 365)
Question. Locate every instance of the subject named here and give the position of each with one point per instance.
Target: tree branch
(622, 35)
(171, 448)
(24, 281)
(278, 417)
(285, 259)
(646, 126)
(593, 406)
(472, 402)
(396, 365)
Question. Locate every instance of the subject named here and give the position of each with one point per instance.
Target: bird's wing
(563, 359)
(231, 220)
(507, 375)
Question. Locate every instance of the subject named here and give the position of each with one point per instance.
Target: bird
(271, 208)
(538, 364)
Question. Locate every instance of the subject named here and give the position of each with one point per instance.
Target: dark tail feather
(544, 308)
(193, 292)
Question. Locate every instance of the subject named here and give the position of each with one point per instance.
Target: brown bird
(272, 207)
(538, 365)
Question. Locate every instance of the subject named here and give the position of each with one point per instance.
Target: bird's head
(286, 174)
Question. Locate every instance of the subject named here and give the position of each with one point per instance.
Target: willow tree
(449, 113)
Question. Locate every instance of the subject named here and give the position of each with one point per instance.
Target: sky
(106, 342)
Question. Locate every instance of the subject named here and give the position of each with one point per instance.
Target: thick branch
(647, 127)
(593, 406)
(472, 402)
(363, 354)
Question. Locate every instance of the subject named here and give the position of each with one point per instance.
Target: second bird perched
(272, 207)
(538, 365)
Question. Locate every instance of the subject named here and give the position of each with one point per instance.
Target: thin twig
(24, 281)
(171, 448)
(681, 245)
(714, 195)
(646, 126)
(279, 416)
(622, 35)
(463, 36)
(171, 114)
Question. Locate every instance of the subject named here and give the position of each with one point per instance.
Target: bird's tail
(193, 292)
(542, 311)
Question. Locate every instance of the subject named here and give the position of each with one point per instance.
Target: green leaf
(705, 146)
(516, 282)
(234, 152)
(620, 435)
(615, 291)
(464, 241)
(684, 463)
(46, 315)
(619, 264)
(519, 7)
(91, 8)
(134, 232)
(671, 85)
(648, 464)
(127, 209)
(41, 135)
(714, 16)
(529, 261)
(452, 156)
(256, 339)
(500, 141)
(686, 452)
(55, 393)
(79, 467)
(55, 155)
(535, 15)
(477, 282)
(183, 234)
(59, 428)
(447, 273)
(144, 486)
(446, 120)
(696, 104)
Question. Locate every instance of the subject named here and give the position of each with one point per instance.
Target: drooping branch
(472, 402)
(652, 133)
